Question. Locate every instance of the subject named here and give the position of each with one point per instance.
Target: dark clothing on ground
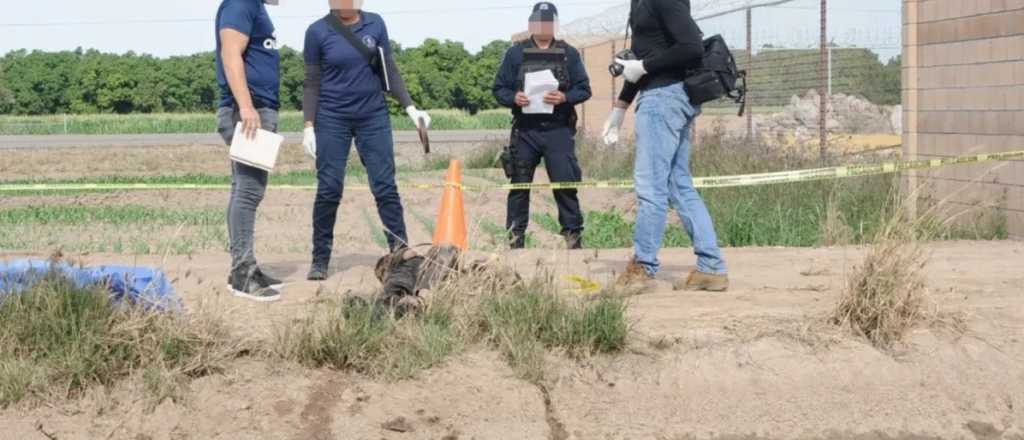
(667, 39)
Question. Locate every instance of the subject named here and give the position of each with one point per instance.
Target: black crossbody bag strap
(374, 59)
(351, 37)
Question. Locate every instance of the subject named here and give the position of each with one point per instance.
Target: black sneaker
(318, 272)
(244, 285)
(264, 280)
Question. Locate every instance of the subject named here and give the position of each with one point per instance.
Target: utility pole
(750, 69)
(823, 86)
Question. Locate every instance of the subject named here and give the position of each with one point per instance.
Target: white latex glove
(634, 69)
(612, 126)
(416, 114)
(309, 142)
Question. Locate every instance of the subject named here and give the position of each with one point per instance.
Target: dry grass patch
(58, 339)
(886, 295)
(355, 335)
(488, 307)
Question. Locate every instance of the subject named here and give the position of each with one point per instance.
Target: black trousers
(557, 146)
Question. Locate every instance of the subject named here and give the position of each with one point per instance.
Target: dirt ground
(758, 362)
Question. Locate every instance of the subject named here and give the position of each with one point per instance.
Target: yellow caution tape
(839, 172)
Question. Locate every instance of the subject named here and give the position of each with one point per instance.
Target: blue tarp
(135, 285)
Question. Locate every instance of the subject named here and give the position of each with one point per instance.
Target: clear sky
(474, 22)
(177, 27)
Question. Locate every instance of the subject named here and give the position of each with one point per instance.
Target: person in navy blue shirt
(543, 136)
(344, 100)
(248, 72)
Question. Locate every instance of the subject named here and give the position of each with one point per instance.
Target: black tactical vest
(555, 58)
(536, 60)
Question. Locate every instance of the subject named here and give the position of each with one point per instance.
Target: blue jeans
(664, 118)
(376, 147)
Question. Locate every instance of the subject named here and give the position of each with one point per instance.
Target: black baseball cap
(544, 11)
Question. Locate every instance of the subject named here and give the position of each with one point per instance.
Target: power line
(291, 17)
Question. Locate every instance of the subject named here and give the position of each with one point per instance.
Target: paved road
(72, 141)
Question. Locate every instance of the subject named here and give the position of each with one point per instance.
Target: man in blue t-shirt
(248, 71)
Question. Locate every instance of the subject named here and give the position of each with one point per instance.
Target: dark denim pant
(557, 147)
(375, 145)
(248, 186)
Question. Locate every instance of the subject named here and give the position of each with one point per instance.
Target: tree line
(440, 74)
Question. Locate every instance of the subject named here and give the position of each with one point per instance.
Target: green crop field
(171, 123)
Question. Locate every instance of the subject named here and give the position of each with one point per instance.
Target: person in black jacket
(548, 136)
(667, 43)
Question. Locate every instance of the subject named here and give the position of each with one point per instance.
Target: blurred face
(544, 29)
(271, 2)
(347, 7)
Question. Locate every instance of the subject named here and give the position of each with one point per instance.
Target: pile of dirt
(847, 114)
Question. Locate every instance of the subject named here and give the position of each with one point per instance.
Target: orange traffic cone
(451, 221)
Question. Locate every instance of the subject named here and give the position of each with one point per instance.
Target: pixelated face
(346, 5)
(544, 29)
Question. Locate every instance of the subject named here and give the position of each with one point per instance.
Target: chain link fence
(803, 67)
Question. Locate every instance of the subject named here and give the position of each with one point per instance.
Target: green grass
(130, 229)
(547, 222)
(487, 156)
(610, 230)
(524, 321)
(792, 215)
(436, 162)
(499, 235)
(428, 223)
(353, 335)
(376, 230)
(67, 215)
(795, 214)
(56, 339)
(291, 121)
(533, 317)
(354, 171)
(355, 174)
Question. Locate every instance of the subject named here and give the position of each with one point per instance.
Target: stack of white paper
(260, 151)
(538, 84)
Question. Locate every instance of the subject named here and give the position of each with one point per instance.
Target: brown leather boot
(700, 281)
(634, 276)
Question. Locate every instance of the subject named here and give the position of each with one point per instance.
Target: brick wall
(963, 93)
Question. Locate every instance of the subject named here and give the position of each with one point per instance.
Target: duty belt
(541, 124)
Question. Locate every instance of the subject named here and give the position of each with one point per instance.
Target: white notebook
(260, 151)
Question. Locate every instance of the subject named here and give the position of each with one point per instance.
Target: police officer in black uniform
(547, 136)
